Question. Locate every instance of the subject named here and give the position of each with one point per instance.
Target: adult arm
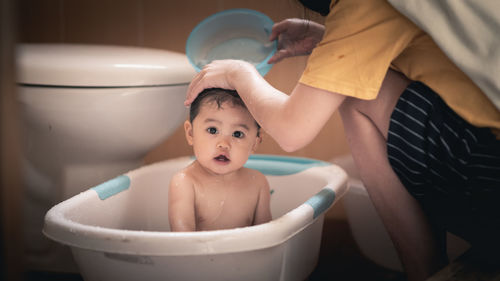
(292, 120)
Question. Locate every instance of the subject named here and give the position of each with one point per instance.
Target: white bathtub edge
(153, 243)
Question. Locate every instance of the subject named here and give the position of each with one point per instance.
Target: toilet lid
(100, 66)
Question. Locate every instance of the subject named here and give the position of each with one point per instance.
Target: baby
(216, 191)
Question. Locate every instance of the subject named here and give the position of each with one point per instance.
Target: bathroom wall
(11, 191)
(165, 24)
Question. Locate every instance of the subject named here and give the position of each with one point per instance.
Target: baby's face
(222, 138)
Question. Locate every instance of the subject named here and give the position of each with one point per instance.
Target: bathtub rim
(153, 243)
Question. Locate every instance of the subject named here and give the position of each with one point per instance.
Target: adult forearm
(267, 104)
(292, 120)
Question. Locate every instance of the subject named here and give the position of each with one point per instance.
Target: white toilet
(89, 113)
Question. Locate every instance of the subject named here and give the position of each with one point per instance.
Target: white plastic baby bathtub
(119, 230)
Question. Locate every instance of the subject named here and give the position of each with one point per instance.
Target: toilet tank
(80, 65)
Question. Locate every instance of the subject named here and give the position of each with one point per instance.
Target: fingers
(279, 55)
(277, 29)
(217, 74)
(193, 89)
(210, 76)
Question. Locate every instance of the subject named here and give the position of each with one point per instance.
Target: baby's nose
(223, 143)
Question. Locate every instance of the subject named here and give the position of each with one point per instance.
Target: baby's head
(218, 97)
(221, 130)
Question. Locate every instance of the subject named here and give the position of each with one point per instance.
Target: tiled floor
(340, 260)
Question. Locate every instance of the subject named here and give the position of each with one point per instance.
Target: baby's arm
(263, 210)
(181, 208)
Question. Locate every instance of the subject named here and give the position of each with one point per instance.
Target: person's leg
(366, 124)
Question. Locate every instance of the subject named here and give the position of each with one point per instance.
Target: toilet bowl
(366, 225)
(89, 113)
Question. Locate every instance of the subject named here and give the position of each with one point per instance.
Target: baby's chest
(234, 210)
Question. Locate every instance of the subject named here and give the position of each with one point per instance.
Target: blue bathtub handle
(321, 201)
(112, 187)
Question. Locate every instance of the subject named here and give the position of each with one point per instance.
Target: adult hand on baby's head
(296, 37)
(218, 74)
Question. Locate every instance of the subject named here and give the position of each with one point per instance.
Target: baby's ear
(257, 142)
(188, 130)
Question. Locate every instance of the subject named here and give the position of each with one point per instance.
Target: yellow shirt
(363, 38)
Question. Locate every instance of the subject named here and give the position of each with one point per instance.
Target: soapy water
(247, 49)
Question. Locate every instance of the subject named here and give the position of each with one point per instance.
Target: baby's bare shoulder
(181, 178)
(255, 176)
(252, 172)
(181, 188)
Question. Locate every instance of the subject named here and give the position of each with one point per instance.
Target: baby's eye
(212, 130)
(238, 134)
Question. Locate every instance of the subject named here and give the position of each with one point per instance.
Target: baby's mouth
(222, 158)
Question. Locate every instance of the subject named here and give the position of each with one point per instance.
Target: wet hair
(218, 96)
